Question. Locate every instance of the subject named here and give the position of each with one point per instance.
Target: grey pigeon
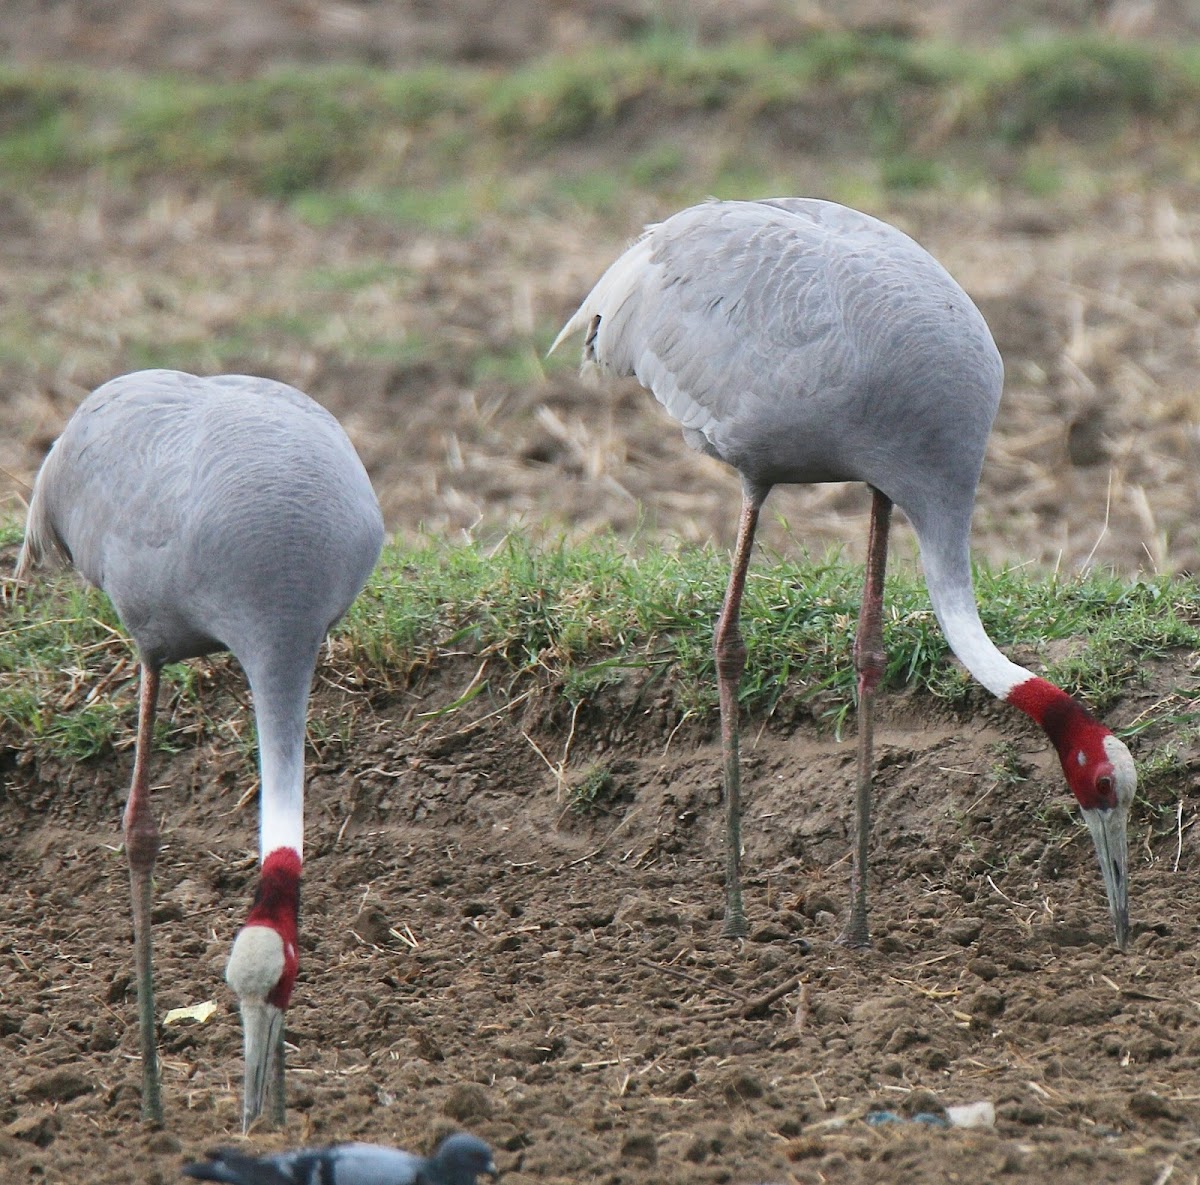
(459, 1160)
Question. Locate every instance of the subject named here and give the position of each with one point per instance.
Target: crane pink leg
(730, 653)
(141, 850)
(870, 662)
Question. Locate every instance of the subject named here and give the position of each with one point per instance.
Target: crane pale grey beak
(262, 1032)
(1112, 849)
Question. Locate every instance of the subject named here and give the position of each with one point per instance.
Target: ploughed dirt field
(477, 954)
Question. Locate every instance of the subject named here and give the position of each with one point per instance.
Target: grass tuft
(571, 619)
(590, 789)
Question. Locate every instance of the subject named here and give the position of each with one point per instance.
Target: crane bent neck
(978, 653)
(1075, 734)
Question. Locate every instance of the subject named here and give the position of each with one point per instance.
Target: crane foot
(855, 935)
(735, 925)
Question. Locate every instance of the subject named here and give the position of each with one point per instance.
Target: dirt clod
(964, 931)
(468, 1103)
(921, 1102)
(985, 968)
(987, 1002)
(640, 1146)
(35, 1127)
(57, 1086)
(1145, 1104)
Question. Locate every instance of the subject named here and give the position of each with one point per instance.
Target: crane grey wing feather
(749, 320)
(121, 477)
(202, 504)
(41, 544)
(91, 492)
(720, 302)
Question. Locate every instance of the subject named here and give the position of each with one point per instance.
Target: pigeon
(459, 1160)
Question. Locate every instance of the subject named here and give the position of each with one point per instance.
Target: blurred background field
(395, 206)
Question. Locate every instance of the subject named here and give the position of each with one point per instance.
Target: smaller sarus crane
(228, 513)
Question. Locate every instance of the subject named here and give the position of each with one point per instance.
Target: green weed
(587, 791)
(575, 617)
(1008, 768)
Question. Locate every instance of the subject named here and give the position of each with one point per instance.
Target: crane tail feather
(611, 303)
(577, 322)
(41, 544)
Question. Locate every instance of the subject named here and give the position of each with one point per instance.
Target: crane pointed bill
(1112, 849)
(262, 1028)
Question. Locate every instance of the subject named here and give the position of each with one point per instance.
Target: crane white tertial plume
(227, 513)
(800, 341)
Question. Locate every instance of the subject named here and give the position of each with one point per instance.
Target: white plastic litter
(972, 1115)
(198, 1012)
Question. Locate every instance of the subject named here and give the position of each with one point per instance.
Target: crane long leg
(870, 662)
(730, 653)
(141, 850)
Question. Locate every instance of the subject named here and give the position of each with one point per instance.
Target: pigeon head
(461, 1159)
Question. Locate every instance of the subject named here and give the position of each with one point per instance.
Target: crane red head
(1100, 773)
(262, 971)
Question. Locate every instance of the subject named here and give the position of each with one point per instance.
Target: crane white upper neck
(281, 797)
(977, 652)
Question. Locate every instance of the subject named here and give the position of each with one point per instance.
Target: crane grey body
(801, 341)
(460, 1159)
(216, 513)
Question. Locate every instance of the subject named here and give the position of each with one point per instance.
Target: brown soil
(477, 953)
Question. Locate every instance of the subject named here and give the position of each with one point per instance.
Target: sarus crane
(226, 513)
(801, 341)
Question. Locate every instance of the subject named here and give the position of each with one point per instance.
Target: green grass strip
(572, 617)
(304, 131)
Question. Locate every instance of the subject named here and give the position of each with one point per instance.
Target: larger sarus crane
(800, 341)
(227, 513)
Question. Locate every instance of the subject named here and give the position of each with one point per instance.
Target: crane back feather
(227, 512)
(802, 341)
